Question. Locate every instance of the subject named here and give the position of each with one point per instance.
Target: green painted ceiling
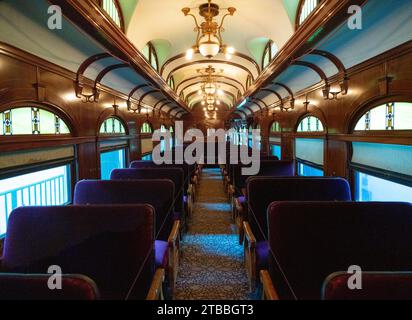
(128, 8)
(291, 7)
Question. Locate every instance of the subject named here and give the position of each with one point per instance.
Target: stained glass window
(310, 124)
(387, 117)
(269, 53)
(112, 126)
(275, 127)
(149, 52)
(31, 120)
(111, 8)
(306, 9)
(146, 128)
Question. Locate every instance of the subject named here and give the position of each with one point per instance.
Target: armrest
(190, 189)
(249, 236)
(156, 289)
(174, 235)
(269, 291)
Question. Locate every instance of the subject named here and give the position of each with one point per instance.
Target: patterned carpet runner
(212, 264)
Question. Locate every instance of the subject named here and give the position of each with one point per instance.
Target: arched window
(387, 117)
(146, 128)
(31, 121)
(149, 52)
(112, 8)
(269, 53)
(382, 171)
(112, 126)
(309, 151)
(275, 127)
(305, 9)
(311, 124)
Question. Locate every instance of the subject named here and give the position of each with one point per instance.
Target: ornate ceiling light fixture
(209, 41)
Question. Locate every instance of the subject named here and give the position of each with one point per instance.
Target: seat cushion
(262, 253)
(161, 254)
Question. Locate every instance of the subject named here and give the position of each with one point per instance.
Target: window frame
(51, 109)
(311, 133)
(120, 12)
(112, 149)
(42, 166)
(108, 135)
(301, 4)
(308, 163)
(267, 52)
(369, 108)
(152, 53)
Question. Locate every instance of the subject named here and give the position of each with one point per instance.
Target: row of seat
(122, 236)
(298, 231)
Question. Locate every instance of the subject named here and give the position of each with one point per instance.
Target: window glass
(146, 128)
(111, 160)
(310, 124)
(306, 9)
(391, 116)
(31, 121)
(110, 7)
(50, 187)
(277, 151)
(371, 188)
(147, 157)
(305, 170)
(112, 126)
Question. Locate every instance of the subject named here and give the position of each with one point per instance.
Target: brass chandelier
(210, 90)
(209, 41)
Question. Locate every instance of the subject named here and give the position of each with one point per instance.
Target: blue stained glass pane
(305, 170)
(112, 160)
(370, 188)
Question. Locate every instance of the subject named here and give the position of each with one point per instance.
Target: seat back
(113, 245)
(150, 164)
(15, 286)
(262, 191)
(174, 174)
(375, 286)
(89, 192)
(310, 240)
(270, 168)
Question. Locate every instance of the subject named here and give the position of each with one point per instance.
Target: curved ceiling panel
(123, 80)
(386, 24)
(67, 48)
(325, 64)
(298, 78)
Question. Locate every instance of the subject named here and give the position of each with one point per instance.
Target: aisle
(212, 265)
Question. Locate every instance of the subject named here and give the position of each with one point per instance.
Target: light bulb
(189, 54)
(228, 56)
(220, 92)
(200, 92)
(218, 102)
(203, 103)
(230, 50)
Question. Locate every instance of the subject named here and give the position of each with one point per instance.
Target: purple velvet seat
(269, 168)
(262, 191)
(375, 286)
(132, 192)
(35, 287)
(311, 240)
(174, 174)
(150, 164)
(113, 245)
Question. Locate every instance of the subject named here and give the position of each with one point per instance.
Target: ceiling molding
(183, 55)
(205, 77)
(209, 61)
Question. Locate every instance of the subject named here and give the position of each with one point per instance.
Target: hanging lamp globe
(209, 46)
